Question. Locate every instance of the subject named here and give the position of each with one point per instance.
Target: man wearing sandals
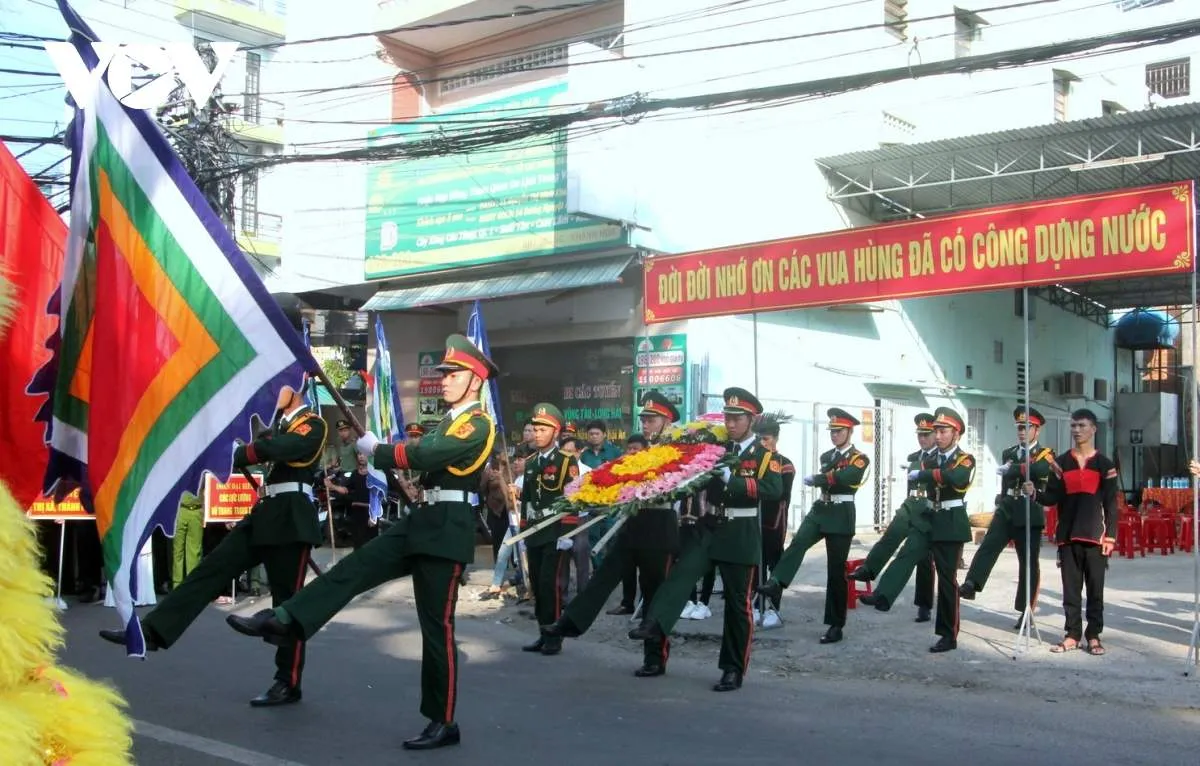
(1084, 486)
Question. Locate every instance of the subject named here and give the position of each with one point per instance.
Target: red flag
(32, 238)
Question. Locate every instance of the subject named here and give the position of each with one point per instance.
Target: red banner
(229, 501)
(70, 508)
(1147, 230)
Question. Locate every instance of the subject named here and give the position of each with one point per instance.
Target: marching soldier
(433, 543)
(731, 538)
(843, 470)
(1008, 523)
(942, 531)
(774, 520)
(916, 504)
(647, 541)
(278, 533)
(546, 473)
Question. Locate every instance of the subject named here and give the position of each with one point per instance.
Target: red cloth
(32, 240)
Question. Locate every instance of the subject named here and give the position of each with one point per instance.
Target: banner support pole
(1027, 628)
(62, 554)
(1193, 654)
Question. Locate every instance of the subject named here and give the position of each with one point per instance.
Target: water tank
(1143, 329)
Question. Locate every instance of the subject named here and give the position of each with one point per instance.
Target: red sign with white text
(1148, 230)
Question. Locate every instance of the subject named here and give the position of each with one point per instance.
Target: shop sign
(455, 210)
(660, 363)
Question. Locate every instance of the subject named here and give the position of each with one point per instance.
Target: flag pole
(1193, 655)
(1027, 628)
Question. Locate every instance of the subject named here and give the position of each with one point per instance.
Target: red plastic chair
(1129, 535)
(1185, 532)
(1051, 521)
(852, 590)
(1158, 529)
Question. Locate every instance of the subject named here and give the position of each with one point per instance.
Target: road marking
(208, 746)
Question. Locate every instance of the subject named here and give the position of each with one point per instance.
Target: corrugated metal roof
(551, 279)
(990, 141)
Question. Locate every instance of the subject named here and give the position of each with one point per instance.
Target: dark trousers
(361, 531)
(629, 584)
(497, 525)
(837, 550)
(285, 565)
(690, 534)
(1083, 565)
(914, 554)
(772, 551)
(652, 566)
(881, 552)
(546, 564)
(738, 580)
(435, 590)
(999, 533)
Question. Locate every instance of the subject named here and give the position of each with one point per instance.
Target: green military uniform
(832, 518)
(915, 504)
(649, 541)
(942, 530)
(278, 533)
(188, 544)
(432, 543)
(1008, 522)
(546, 474)
(730, 538)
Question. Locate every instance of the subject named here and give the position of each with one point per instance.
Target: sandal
(1095, 648)
(1063, 646)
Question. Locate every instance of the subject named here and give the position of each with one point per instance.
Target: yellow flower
(646, 460)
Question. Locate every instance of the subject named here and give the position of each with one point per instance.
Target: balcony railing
(255, 224)
(258, 111)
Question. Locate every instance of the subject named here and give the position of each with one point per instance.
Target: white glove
(565, 544)
(808, 481)
(367, 443)
(583, 515)
(726, 475)
(913, 475)
(1002, 470)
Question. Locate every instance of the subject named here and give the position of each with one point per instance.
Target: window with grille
(976, 422)
(968, 29)
(253, 74)
(250, 202)
(1170, 79)
(540, 58)
(895, 16)
(1022, 377)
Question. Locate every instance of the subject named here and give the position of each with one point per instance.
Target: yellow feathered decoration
(50, 716)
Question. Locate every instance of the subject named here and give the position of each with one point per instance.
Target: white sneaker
(771, 620)
(688, 611)
(701, 612)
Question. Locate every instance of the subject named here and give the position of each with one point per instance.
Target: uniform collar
(844, 452)
(460, 409)
(948, 455)
(745, 443)
(288, 419)
(549, 451)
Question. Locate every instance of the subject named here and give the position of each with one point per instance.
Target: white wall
(324, 203)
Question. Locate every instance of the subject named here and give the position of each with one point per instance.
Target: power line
(635, 105)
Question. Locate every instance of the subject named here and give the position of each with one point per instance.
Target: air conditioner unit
(1100, 390)
(1072, 384)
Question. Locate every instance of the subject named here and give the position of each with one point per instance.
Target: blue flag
(384, 416)
(477, 334)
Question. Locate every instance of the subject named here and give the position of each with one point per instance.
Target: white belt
(949, 504)
(439, 495)
(1015, 492)
(918, 493)
(740, 513)
(282, 488)
(838, 498)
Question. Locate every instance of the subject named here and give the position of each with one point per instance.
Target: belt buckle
(825, 497)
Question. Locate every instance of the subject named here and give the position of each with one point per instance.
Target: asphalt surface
(584, 706)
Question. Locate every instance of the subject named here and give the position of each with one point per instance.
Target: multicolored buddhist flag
(384, 416)
(168, 340)
(477, 334)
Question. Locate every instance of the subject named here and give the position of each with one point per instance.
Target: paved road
(583, 707)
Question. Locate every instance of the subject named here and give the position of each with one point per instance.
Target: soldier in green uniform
(278, 533)
(647, 541)
(433, 543)
(1008, 523)
(843, 470)
(546, 473)
(913, 506)
(774, 520)
(731, 539)
(942, 530)
(188, 544)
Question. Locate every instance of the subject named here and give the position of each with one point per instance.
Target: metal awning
(557, 278)
(1151, 146)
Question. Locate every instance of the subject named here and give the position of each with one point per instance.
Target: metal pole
(62, 553)
(1027, 628)
(762, 577)
(1193, 655)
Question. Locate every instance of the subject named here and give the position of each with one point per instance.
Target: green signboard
(660, 363)
(500, 202)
